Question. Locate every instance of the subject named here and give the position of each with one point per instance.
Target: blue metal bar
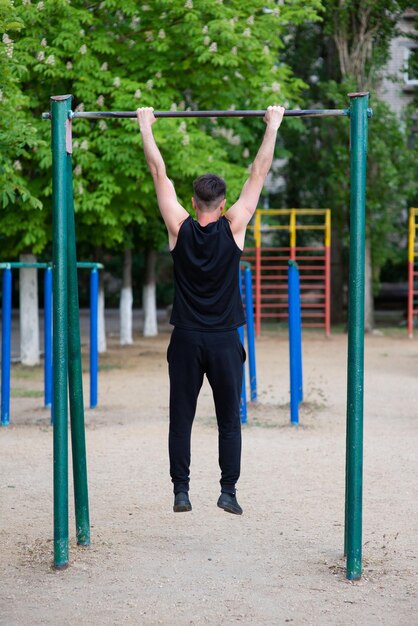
(6, 332)
(243, 402)
(295, 342)
(94, 343)
(48, 337)
(250, 332)
(89, 265)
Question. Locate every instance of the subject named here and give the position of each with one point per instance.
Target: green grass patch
(20, 392)
(27, 373)
(105, 367)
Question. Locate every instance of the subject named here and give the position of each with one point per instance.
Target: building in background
(400, 79)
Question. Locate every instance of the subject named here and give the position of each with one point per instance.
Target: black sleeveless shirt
(206, 265)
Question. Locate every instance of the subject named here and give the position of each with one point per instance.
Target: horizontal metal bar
(88, 265)
(12, 265)
(165, 114)
(16, 265)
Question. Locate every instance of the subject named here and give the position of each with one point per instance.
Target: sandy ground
(281, 562)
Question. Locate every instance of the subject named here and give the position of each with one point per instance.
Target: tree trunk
(29, 312)
(126, 298)
(101, 326)
(368, 290)
(149, 296)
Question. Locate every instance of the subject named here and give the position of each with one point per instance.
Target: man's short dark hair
(208, 191)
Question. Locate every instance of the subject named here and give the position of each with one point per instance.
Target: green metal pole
(355, 364)
(60, 106)
(75, 378)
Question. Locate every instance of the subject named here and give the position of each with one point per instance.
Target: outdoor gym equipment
(301, 235)
(66, 337)
(295, 342)
(6, 333)
(412, 270)
(246, 289)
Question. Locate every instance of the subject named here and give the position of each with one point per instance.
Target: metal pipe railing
(230, 113)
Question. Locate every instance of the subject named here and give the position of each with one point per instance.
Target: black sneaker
(228, 502)
(181, 502)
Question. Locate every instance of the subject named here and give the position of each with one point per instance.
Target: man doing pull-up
(207, 307)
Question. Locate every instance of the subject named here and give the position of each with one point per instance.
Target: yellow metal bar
(411, 237)
(327, 228)
(310, 227)
(287, 211)
(269, 227)
(257, 229)
(292, 231)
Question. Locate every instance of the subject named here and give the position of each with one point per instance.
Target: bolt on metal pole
(75, 376)
(355, 360)
(60, 107)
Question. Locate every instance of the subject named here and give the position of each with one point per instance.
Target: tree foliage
(167, 54)
(346, 52)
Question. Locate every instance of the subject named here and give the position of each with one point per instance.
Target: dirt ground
(279, 563)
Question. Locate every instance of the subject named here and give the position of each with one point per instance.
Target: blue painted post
(295, 342)
(250, 332)
(94, 347)
(48, 337)
(243, 403)
(6, 332)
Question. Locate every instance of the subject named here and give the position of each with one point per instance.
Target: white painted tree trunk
(29, 312)
(126, 299)
(149, 296)
(101, 327)
(149, 302)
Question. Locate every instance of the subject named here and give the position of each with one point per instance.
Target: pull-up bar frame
(229, 113)
(61, 116)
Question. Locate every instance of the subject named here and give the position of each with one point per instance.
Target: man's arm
(242, 211)
(171, 210)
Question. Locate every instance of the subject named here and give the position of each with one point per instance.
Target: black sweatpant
(219, 355)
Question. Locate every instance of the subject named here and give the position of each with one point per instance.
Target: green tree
(18, 141)
(346, 52)
(165, 54)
